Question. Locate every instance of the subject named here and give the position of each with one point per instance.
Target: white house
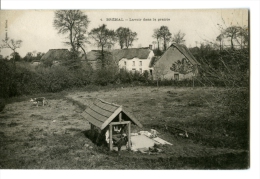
(134, 59)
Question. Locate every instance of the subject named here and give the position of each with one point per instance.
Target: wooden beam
(110, 138)
(120, 116)
(118, 123)
(129, 135)
(111, 118)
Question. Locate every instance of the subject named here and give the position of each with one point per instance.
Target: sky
(35, 27)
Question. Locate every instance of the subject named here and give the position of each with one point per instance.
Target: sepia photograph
(125, 89)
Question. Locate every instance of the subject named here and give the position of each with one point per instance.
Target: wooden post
(120, 116)
(129, 135)
(110, 138)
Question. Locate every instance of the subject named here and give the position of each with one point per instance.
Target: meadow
(54, 136)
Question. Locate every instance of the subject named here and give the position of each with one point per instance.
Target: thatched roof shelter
(56, 54)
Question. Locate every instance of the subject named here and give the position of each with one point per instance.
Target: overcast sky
(35, 27)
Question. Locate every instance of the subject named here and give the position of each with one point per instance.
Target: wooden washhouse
(109, 119)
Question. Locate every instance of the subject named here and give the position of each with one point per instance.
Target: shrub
(2, 104)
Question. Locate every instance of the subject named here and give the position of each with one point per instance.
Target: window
(140, 69)
(133, 63)
(140, 63)
(125, 63)
(133, 69)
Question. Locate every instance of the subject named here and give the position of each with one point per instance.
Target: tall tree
(179, 37)
(103, 38)
(157, 36)
(125, 36)
(130, 38)
(232, 33)
(120, 33)
(165, 35)
(75, 23)
(11, 44)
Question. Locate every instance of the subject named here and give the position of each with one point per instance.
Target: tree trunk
(71, 41)
(102, 57)
(84, 52)
(232, 45)
(164, 44)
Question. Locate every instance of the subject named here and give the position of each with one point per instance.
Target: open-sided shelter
(107, 117)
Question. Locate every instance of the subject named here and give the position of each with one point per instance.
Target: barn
(55, 56)
(109, 119)
(177, 63)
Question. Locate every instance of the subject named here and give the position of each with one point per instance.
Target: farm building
(108, 119)
(94, 58)
(177, 63)
(56, 55)
(134, 59)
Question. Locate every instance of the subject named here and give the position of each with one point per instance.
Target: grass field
(54, 136)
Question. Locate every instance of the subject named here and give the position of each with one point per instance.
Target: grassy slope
(54, 136)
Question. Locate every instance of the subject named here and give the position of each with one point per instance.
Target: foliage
(2, 104)
(232, 33)
(103, 37)
(157, 36)
(125, 37)
(30, 57)
(178, 38)
(165, 35)
(157, 52)
(74, 22)
(183, 66)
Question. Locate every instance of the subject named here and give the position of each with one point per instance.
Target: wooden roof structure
(101, 113)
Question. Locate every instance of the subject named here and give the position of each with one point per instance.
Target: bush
(2, 104)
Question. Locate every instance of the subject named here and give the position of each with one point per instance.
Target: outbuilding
(109, 120)
(177, 63)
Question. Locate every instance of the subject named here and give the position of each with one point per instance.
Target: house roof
(185, 51)
(56, 54)
(93, 55)
(130, 53)
(100, 113)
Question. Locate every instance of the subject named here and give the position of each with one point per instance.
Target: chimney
(151, 47)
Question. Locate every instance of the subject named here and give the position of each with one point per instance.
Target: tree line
(72, 73)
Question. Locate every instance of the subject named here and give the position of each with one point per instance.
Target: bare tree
(11, 44)
(74, 22)
(232, 33)
(103, 37)
(179, 37)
